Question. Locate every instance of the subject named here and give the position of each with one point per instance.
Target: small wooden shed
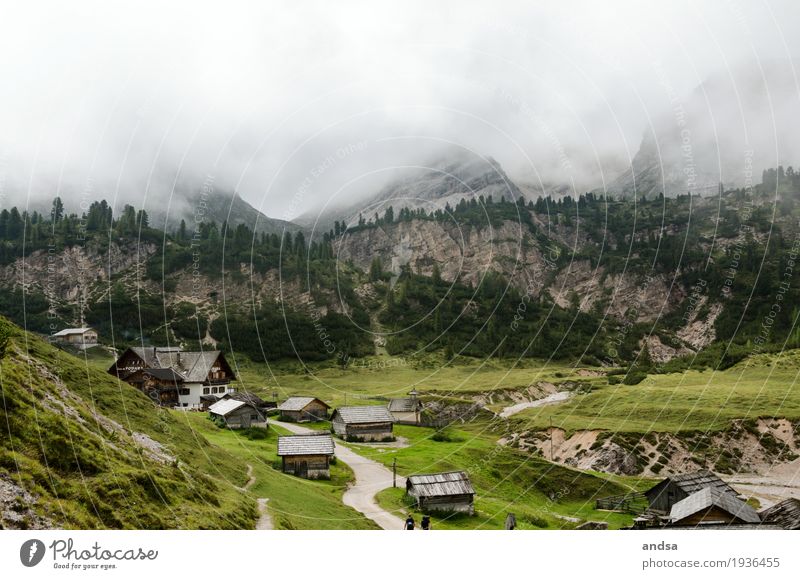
(306, 455)
(443, 491)
(712, 506)
(663, 496)
(363, 423)
(237, 414)
(303, 409)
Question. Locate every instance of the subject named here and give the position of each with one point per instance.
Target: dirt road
(371, 478)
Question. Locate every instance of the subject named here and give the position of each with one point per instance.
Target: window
(254, 417)
(205, 390)
(185, 392)
(185, 404)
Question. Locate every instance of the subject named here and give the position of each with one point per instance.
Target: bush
(634, 378)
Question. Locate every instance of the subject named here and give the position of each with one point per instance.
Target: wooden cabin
(663, 496)
(82, 338)
(237, 414)
(712, 506)
(195, 374)
(406, 410)
(306, 455)
(303, 409)
(363, 423)
(444, 492)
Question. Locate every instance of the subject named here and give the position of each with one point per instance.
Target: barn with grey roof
(363, 423)
(306, 455)
(443, 491)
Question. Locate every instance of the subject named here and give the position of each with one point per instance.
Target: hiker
(410, 523)
(426, 523)
(511, 522)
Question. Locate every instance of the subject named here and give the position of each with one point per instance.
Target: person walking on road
(409, 523)
(425, 523)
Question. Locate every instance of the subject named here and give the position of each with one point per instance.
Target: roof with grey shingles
(225, 407)
(363, 414)
(297, 403)
(691, 482)
(785, 514)
(440, 484)
(713, 497)
(404, 405)
(305, 444)
(192, 366)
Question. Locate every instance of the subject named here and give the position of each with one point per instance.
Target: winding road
(371, 478)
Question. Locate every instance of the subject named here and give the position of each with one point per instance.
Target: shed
(669, 491)
(712, 506)
(363, 423)
(444, 491)
(785, 514)
(237, 414)
(306, 455)
(303, 409)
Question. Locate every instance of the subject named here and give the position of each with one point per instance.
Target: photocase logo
(32, 552)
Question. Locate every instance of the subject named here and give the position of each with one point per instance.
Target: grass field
(540, 494)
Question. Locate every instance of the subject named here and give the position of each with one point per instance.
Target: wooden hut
(669, 491)
(237, 414)
(785, 514)
(406, 410)
(306, 455)
(363, 423)
(444, 491)
(712, 506)
(303, 409)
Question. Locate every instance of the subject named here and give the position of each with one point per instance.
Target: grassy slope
(294, 503)
(764, 385)
(539, 493)
(67, 438)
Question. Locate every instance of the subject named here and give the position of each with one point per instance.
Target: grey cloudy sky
(293, 103)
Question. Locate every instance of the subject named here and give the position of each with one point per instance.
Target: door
(302, 469)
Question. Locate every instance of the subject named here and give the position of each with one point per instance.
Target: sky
(295, 105)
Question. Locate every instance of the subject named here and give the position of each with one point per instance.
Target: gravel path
(265, 519)
(371, 478)
(556, 398)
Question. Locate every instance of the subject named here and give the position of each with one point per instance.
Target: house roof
(713, 497)
(441, 484)
(404, 405)
(295, 403)
(692, 482)
(164, 374)
(785, 514)
(192, 366)
(225, 407)
(71, 331)
(305, 444)
(364, 414)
